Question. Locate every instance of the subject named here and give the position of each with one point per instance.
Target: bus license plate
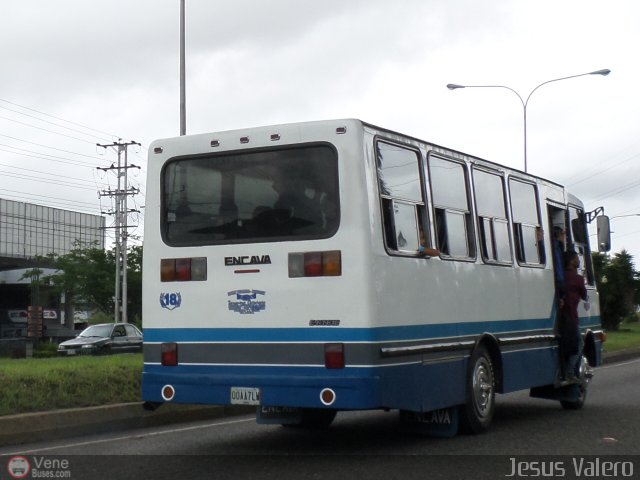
(245, 396)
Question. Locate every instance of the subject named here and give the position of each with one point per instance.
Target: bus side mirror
(604, 233)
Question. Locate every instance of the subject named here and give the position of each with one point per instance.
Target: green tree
(87, 276)
(619, 286)
(134, 284)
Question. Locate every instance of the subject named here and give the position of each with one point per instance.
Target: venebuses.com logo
(38, 467)
(18, 467)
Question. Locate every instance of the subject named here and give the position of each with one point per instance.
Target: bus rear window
(245, 197)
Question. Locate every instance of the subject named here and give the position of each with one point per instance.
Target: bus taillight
(334, 355)
(183, 269)
(169, 354)
(315, 264)
(332, 263)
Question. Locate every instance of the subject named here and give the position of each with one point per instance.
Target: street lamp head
(453, 86)
(603, 72)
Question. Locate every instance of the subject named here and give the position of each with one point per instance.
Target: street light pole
(525, 103)
(183, 101)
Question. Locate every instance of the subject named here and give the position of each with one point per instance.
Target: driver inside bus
(300, 202)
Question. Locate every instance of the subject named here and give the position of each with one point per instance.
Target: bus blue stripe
(330, 334)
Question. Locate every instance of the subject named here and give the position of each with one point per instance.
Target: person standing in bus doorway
(557, 254)
(570, 338)
(557, 247)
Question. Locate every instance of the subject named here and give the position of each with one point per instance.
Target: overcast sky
(112, 68)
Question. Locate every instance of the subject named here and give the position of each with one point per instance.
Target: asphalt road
(370, 444)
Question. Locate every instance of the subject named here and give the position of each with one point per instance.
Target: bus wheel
(584, 378)
(477, 412)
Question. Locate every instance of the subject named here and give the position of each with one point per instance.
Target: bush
(100, 317)
(45, 350)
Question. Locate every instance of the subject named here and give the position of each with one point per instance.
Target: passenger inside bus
(301, 202)
(423, 249)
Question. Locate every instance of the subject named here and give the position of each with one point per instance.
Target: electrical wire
(50, 147)
(61, 119)
(55, 124)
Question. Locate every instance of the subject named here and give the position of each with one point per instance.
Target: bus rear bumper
(350, 391)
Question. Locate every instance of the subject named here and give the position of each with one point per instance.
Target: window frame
(387, 201)
(493, 220)
(518, 243)
(588, 271)
(267, 239)
(469, 214)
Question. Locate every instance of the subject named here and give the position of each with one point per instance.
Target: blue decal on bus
(170, 301)
(247, 302)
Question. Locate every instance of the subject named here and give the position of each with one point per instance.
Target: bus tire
(576, 404)
(477, 412)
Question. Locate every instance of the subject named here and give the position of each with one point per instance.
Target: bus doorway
(558, 236)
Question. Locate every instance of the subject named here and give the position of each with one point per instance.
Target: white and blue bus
(329, 266)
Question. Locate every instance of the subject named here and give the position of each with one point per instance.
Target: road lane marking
(129, 437)
(619, 364)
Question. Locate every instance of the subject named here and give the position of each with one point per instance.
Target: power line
(47, 196)
(47, 146)
(44, 180)
(61, 119)
(22, 169)
(55, 223)
(51, 123)
(44, 156)
(615, 191)
(598, 172)
(53, 159)
(51, 203)
(46, 130)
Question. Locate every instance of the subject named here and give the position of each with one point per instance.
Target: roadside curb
(60, 424)
(620, 355)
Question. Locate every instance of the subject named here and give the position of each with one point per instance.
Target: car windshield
(97, 331)
(247, 197)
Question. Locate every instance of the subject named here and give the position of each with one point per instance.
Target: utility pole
(183, 100)
(121, 214)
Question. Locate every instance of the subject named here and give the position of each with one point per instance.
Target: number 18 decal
(170, 300)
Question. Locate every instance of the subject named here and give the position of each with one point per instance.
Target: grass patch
(41, 384)
(627, 336)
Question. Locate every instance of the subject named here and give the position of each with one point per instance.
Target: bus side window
(387, 220)
(580, 242)
(526, 223)
(401, 197)
(441, 231)
(454, 231)
(495, 243)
